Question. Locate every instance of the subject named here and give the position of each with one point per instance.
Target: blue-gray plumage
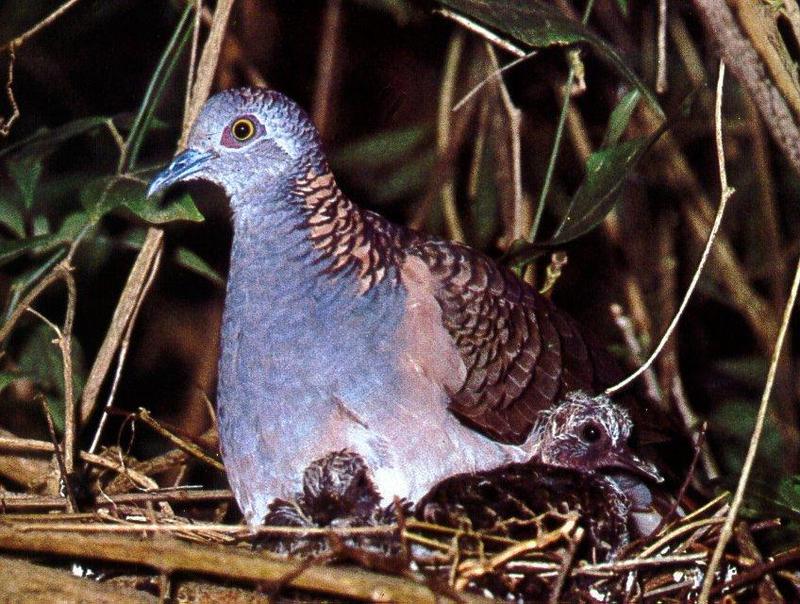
(343, 331)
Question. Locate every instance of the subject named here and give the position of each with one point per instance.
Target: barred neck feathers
(350, 241)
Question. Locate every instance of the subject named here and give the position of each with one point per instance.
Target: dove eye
(590, 433)
(243, 129)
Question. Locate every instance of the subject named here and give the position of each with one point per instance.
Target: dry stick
(148, 256)
(449, 79)
(128, 302)
(125, 343)
(198, 9)
(326, 67)
(749, 69)
(565, 567)
(727, 528)
(8, 443)
(661, 70)
(492, 76)
(521, 217)
(237, 53)
(207, 67)
(189, 448)
(487, 34)
(167, 555)
(5, 125)
(725, 194)
(72, 507)
(22, 38)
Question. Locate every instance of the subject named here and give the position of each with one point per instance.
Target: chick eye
(590, 433)
(243, 129)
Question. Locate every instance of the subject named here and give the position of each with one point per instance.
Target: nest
(171, 543)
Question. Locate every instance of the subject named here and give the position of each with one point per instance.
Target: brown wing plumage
(521, 353)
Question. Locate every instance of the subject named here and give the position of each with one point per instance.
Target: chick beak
(626, 459)
(182, 167)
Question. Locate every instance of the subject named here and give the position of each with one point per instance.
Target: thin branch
(496, 74)
(326, 67)
(188, 447)
(168, 555)
(725, 194)
(62, 469)
(479, 29)
(727, 529)
(207, 67)
(443, 122)
(5, 125)
(198, 9)
(129, 300)
(22, 38)
(750, 70)
(661, 64)
(519, 226)
(125, 344)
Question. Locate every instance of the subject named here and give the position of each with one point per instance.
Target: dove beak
(184, 165)
(627, 460)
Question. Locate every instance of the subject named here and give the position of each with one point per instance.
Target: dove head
(587, 434)
(246, 140)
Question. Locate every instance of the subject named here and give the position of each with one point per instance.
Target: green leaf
(623, 7)
(45, 141)
(536, 24)
(26, 172)
(10, 214)
(182, 208)
(382, 149)
(41, 225)
(21, 284)
(39, 358)
(13, 249)
(391, 165)
(189, 260)
(606, 171)
(111, 192)
(621, 117)
(157, 85)
(7, 378)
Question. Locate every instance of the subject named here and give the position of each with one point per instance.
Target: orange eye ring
(243, 129)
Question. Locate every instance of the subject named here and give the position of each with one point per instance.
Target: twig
(626, 328)
(125, 343)
(5, 125)
(206, 67)
(65, 477)
(725, 194)
(758, 571)
(483, 32)
(198, 9)
(727, 528)
(496, 74)
(167, 555)
(519, 223)
(562, 117)
(326, 66)
(661, 63)
(190, 448)
(749, 69)
(443, 121)
(618, 566)
(566, 565)
(129, 300)
(698, 447)
(22, 38)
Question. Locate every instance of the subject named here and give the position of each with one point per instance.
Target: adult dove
(343, 331)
